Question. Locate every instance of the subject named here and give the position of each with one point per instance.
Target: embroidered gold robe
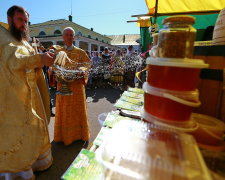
(24, 105)
(71, 120)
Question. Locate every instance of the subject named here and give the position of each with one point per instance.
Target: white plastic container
(138, 150)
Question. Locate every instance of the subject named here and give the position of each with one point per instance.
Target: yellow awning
(143, 22)
(4, 25)
(176, 6)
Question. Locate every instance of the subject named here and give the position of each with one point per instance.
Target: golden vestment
(71, 121)
(24, 105)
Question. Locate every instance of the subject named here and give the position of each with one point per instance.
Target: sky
(105, 16)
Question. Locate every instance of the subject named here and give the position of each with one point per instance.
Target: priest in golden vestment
(24, 102)
(71, 120)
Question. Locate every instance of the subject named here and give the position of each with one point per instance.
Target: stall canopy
(205, 11)
(169, 7)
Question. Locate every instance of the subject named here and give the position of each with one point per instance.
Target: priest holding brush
(24, 102)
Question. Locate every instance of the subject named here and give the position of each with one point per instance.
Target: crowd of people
(115, 68)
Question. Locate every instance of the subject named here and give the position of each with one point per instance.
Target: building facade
(124, 41)
(50, 33)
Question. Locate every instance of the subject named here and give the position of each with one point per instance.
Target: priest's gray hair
(69, 28)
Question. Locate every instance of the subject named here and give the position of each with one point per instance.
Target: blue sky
(106, 17)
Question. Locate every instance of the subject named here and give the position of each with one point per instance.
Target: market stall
(118, 132)
(155, 132)
(211, 85)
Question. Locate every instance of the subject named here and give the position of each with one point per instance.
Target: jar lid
(188, 19)
(177, 62)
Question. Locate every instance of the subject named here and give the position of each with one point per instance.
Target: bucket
(212, 124)
(219, 30)
(205, 137)
(174, 74)
(170, 105)
(210, 131)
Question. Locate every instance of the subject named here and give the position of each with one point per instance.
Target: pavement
(98, 101)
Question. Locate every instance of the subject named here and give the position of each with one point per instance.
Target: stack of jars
(171, 88)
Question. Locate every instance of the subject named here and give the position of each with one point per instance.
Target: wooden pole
(180, 13)
(132, 21)
(156, 10)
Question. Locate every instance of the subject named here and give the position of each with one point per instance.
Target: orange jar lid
(186, 19)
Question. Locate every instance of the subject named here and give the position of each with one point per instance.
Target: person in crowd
(100, 54)
(88, 54)
(96, 59)
(96, 65)
(124, 53)
(130, 50)
(24, 144)
(92, 54)
(111, 54)
(106, 58)
(130, 70)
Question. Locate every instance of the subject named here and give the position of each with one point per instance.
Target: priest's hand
(48, 59)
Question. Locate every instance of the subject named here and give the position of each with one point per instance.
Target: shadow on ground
(110, 94)
(102, 100)
(63, 156)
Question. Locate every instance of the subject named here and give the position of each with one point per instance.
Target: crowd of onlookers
(115, 68)
(109, 68)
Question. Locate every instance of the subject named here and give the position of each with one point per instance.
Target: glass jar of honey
(176, 39)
